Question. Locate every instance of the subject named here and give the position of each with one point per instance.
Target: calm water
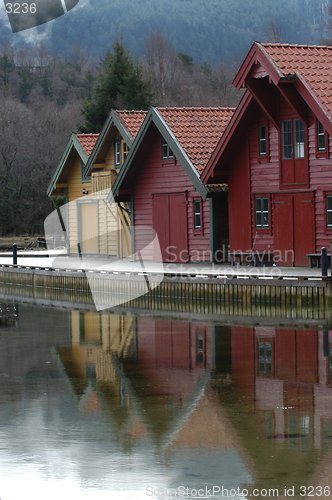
(136, 407)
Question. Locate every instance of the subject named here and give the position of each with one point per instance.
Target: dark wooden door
(283, 229)
(160, 213)
(170, 223)
(178, 226)
(304, 237)
(293, 218)
(88, 235)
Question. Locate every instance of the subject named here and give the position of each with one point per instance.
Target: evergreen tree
(119, 85)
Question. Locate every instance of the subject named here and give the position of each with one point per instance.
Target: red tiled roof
(132, 120)
(87, 141)
(197, 130)
(312, 62)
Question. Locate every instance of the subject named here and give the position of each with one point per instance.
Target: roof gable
(82, 144)
(192, 134)
(256, 56)
(311, 64)
(308, 67)
(197, 130)
(126, 122)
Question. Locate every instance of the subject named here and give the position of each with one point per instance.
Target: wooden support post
(324, 262)
(14, 254)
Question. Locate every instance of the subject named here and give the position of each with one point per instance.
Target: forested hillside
(186, 50)
(207, 30)
(42, 97)
(40, 101)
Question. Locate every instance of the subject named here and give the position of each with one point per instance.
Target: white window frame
(117, 153)
(167, 153)
(261, 211)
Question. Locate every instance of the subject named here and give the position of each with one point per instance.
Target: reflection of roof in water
(165, 401)
(193, 432)
(109, 395)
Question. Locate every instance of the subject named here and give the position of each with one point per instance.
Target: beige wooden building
(84, 177)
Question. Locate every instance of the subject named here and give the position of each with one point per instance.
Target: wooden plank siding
(112, 221)
(180, 345)
(239, 201)
(265, 179)
(75, 187)
(157, 176)
(321, 182)
(264, 174)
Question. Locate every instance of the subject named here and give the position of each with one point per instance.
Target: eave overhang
(113, 119)
(292, 86)
(257, 55)
(73, 144)
(154, 116)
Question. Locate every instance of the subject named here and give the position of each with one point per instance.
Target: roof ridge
(138, 111)
(87, 134)
(294, 45)
(225, 108)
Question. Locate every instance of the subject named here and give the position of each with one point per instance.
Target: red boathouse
(161, 182)
(275, 154)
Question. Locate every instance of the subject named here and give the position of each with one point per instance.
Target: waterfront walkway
(52, 259)
(219, 289)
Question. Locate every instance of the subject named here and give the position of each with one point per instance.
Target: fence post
(324, 262)
(79, 250)
(14, 254)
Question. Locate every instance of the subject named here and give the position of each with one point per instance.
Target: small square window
(167, 152)
(287, 142)
(117, 153)
(262, 212)
(197, 215)
(329, 211)
(321, 138)
(299, 139)
(262, 140)
(293, 139)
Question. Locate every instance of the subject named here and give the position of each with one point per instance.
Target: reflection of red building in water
(250, 399)
(172, 367)
(161, 365)
(287, 372)
(174, 344)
